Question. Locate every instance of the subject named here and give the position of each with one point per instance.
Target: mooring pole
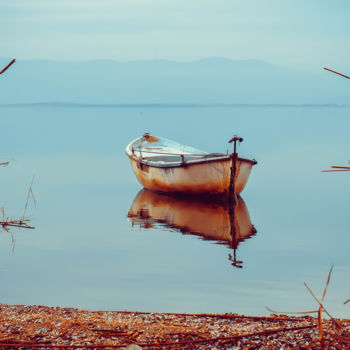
(234, 157)
(232, 201)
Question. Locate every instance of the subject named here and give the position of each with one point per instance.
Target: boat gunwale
(180, 163)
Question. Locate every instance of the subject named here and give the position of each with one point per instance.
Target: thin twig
(340, 167)
(333, 71)
(319, 318)
(329, 171)
(13, 223)
(30, 192)
(345, 340)
(291, 312)
(335, 322)
(8, 66)
(320, 329)
(337, 168)
(327, 283)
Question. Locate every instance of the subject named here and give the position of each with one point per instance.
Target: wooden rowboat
(212, 219)
(167, 166)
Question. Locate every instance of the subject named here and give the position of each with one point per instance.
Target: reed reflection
(210, 218)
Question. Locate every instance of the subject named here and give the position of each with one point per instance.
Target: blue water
(85, 253)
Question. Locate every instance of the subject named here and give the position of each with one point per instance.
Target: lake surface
(88, 250)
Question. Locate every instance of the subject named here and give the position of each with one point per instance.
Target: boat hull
(207, 177)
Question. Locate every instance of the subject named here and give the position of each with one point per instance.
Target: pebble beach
(43, 327)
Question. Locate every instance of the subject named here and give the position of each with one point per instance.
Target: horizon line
(63, 60)
(171, 105)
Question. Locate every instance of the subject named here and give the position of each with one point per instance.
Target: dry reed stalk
(30, 193)
(337, 168)
(6, 223)
(8, 66)
(340, 167)
(320, 329)
(322, 308)
(338, 325)
(339, 338)
(16, 223)
(333, 71)
(327, 283)
(292, 312)
(319, 311)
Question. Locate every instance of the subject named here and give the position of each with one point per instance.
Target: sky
(296, 33)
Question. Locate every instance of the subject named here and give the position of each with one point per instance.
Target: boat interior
(172, 158)
(160, 150)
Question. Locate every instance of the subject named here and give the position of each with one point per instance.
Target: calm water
(86, 252)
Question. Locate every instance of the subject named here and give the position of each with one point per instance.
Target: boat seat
(170, 158)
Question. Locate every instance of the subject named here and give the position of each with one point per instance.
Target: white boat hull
(212, 177)
(160, 166)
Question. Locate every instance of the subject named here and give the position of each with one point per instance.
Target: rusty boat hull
(166, 166)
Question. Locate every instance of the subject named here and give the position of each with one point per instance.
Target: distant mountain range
(207, 81)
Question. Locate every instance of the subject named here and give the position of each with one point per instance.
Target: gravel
(43, 327)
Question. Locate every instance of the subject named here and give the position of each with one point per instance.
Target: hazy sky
(300, 33)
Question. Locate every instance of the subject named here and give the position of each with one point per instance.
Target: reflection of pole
(234, 242)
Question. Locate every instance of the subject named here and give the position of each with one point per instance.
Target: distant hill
(207, 81)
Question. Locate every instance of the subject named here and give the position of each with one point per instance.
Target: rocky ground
(42, 327)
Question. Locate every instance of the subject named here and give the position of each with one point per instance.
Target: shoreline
(38, 326)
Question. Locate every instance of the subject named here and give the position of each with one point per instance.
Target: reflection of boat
(211, 218)
(167, 166)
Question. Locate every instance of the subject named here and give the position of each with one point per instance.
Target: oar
(333, 71)
(10, 64)
(326, 171)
